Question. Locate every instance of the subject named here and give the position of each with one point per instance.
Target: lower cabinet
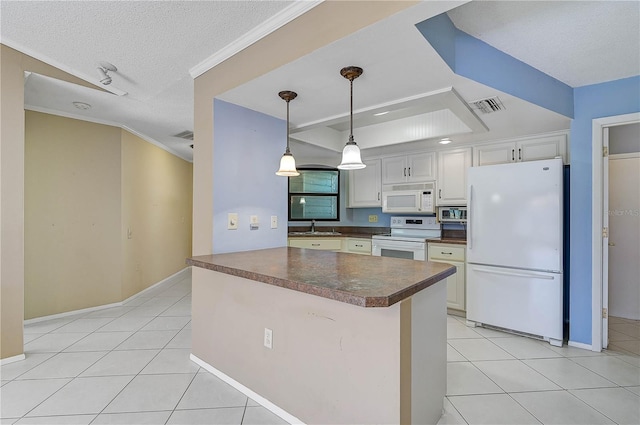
(456, 284)
(343, 244)
(357, 246)
(327, 244)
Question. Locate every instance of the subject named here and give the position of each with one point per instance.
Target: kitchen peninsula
(354, 339)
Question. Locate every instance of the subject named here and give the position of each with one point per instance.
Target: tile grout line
(72, 379)
(147, 364)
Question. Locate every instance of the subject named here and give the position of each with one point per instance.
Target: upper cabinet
(522, 150)
(419, 167)
(452, 176)
(365, 185)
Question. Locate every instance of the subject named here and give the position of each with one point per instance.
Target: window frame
(335, 195)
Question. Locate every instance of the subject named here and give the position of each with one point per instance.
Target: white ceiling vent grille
(187, 135)
(487, 106)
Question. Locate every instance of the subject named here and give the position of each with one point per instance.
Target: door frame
(599, 293)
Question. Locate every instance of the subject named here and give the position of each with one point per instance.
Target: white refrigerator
(514, 247)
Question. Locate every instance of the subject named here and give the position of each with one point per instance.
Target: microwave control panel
(427, 201)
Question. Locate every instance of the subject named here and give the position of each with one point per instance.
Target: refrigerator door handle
(509, 273)
(469, 217)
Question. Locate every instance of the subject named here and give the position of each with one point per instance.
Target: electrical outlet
(373, 218)
(268, 338)
(274, 221)
(232, 221)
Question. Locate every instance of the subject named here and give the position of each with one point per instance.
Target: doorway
(601, 231)
(624, 239)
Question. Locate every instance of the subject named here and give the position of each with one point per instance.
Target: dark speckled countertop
(355, 279)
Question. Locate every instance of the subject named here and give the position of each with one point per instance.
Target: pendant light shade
(287, 162)
(351, 159)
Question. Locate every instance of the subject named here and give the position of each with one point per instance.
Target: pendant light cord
(351, 114)
(288, 151)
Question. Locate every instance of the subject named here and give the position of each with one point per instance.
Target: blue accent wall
(480, 62)
(595, 101)
(246, 154)
(472, 58)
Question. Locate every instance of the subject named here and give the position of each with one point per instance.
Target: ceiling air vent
(487, 106)
(187, 135)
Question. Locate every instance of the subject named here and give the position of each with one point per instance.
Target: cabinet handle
(446, 253)
(513, 154)
(520, 154)
(378, 196)
(409, 171)
(315, 244)
(359, 246)
(405, 171)
(439, 193)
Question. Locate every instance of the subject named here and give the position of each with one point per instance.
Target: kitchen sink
(316, 233)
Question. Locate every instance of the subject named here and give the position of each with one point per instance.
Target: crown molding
(109, 123)
(285, 16)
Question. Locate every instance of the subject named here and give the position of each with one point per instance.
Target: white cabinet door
(543, 148)
(500, 153)
(365, 186)
(394, 169)
(522, 150)
(358, 246)
(452, 176)
(456, 284)
(326, 244)
(421, 167)
(418, 167)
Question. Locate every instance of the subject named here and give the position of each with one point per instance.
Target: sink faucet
(313, 225)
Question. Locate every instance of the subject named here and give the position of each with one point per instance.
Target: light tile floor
(500, 378)
(122, 365)
(130, 365)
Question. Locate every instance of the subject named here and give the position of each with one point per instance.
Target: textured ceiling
(577, 42)
(155, 44)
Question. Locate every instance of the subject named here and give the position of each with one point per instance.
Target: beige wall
(157, 208)
(72, 214)
(86, 185)
(330, 362)
(13, 64)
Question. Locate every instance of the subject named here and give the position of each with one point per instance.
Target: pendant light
(351, 153)
(287, 162)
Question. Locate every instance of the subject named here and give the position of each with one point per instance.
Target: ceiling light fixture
(81, 105)
(103, 71)
(381, 113)
(351, 153)
(445, 141)
(287, 162)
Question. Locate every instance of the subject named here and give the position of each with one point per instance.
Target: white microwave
(409, 198)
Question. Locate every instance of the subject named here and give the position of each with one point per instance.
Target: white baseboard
(174, 278)
(246, 391)
(12, 359)
(70, 313)
(580, 345)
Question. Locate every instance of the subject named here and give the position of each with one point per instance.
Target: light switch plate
(232, 221)
(274, 221)
(253, 222)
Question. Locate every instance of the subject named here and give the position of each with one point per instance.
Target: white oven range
(408, 238)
